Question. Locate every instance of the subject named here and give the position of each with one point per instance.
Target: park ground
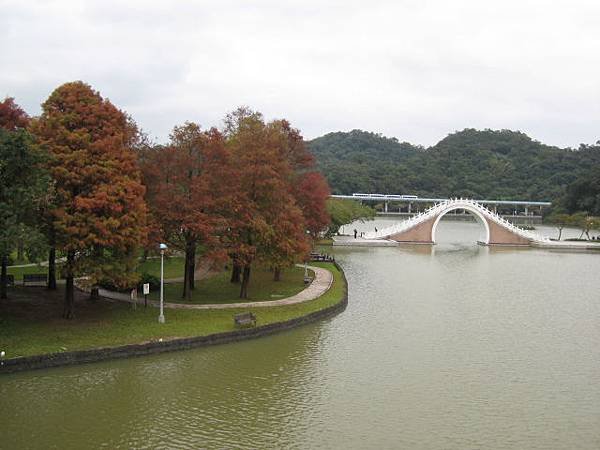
(30, 322)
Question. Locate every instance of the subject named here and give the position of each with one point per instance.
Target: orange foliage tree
(12, 116)
(185, 183)
(100, 214)
(267, 223)
(308, 186)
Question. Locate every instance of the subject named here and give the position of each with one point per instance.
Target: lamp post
(305, 263)
(163, 247)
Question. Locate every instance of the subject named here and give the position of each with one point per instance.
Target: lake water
(455, 346)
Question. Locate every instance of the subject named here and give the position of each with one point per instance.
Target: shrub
(148, 278)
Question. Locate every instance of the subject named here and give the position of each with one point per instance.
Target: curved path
(320, 284)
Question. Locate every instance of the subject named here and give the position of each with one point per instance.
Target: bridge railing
(440, 207)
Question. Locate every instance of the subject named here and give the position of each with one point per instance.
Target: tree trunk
(193, 267)
(186, 270)
(277, 274)
(69, 307)
(245, 282)
(20, 251)
(188, 278)
(236, 271)
(52, 268)
(4, 277)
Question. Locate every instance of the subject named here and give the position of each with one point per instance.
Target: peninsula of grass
(217, 288)
(30, 322)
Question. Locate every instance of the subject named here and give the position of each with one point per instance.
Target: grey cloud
(412, 69)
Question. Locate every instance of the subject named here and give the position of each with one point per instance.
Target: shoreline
(49, 360)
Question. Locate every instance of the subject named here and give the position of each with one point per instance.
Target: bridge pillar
(409, 207)
(385, 206)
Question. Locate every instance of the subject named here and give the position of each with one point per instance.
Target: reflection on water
(450, 346)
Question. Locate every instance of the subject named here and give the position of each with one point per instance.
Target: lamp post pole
(161, 317)
(305, 262)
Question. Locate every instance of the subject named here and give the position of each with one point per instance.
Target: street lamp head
(163, 246)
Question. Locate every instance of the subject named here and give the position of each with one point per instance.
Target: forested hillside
(471, 163)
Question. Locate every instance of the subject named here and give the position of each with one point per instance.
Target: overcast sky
(413, 69)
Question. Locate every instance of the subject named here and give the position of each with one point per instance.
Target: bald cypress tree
(99, 215)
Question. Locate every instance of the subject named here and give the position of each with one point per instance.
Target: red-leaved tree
(267, 224)
(100, 214)
(12, 116)
(186, 181)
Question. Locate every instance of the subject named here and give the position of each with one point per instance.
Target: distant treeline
(470, 163)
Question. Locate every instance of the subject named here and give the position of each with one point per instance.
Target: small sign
(146, 288)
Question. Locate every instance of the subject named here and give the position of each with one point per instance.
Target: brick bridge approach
(422, 227)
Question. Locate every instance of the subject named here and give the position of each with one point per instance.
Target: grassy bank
(30, 321)
(173, 268)
(19, 271)
(218, 289)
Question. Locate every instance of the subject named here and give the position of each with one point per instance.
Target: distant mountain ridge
(500, 164)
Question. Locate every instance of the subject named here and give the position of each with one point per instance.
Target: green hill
(499, 164)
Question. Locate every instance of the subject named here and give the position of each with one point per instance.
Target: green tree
(560, 221)
(23, 182)
(584, 193)
(587, 223)
(343, 212)
(500, 164)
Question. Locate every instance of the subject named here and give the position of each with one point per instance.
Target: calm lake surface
(455, 346)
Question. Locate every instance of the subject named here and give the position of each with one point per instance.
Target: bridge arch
(479, 217)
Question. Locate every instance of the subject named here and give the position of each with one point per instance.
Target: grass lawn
(30, 322)
(19, 271)
(218, 289)
(173, 267)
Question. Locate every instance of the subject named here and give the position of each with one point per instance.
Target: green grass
(173, 267)
(19, 271)
(30, 322)
(218, 289)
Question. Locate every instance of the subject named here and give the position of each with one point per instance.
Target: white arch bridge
(422, 227)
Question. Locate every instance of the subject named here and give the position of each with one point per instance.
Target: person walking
(355, 233)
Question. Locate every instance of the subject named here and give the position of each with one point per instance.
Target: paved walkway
(349, 241)
(320, 284)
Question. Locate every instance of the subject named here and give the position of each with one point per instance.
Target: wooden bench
(319, 257)
(34, 278)
(245, 319)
